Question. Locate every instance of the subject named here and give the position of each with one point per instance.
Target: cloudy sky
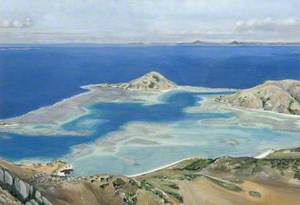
(113, 21)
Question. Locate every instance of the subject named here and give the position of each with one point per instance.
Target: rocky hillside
(7, 199)
(225, 180)
(278, 96)
(15, 190)
(149, 81)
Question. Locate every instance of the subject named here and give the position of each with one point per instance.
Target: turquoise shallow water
(107, 117)
(186, 136)
(103, 118)
(188, 139)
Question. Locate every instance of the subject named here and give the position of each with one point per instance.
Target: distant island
(236, 42)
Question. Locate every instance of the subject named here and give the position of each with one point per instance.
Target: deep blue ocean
(43, 74)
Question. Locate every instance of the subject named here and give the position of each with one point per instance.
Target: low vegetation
(198, 165)
(225, 184)
(255, 194)
(118, 183)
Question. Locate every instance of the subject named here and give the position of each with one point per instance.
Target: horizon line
(141, 43)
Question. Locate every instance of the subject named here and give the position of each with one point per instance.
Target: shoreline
(161, 167)
(259, 110)
(265, 154)
(259, 156)
(262, 155)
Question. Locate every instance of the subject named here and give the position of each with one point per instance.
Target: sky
(123, 21)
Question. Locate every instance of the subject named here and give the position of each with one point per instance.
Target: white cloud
(15, 23)
(152, 20)
(269, 25)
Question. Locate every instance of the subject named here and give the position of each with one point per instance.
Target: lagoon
(129, 137)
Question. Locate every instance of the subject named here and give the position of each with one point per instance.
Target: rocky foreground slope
(278, 96)
(226, 180)
(149, 81)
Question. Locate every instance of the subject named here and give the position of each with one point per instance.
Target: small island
(150, 81)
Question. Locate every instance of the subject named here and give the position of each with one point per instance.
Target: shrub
(198, 164)
(118, 183)
(297, 175)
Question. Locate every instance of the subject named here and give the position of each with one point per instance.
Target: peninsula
(277, 96)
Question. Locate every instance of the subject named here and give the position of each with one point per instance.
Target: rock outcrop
(7, 199)
(278, 96)
(23, 192)
(149, 81)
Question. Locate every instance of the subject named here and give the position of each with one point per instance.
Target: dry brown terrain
(195, 181)
(212, 194)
